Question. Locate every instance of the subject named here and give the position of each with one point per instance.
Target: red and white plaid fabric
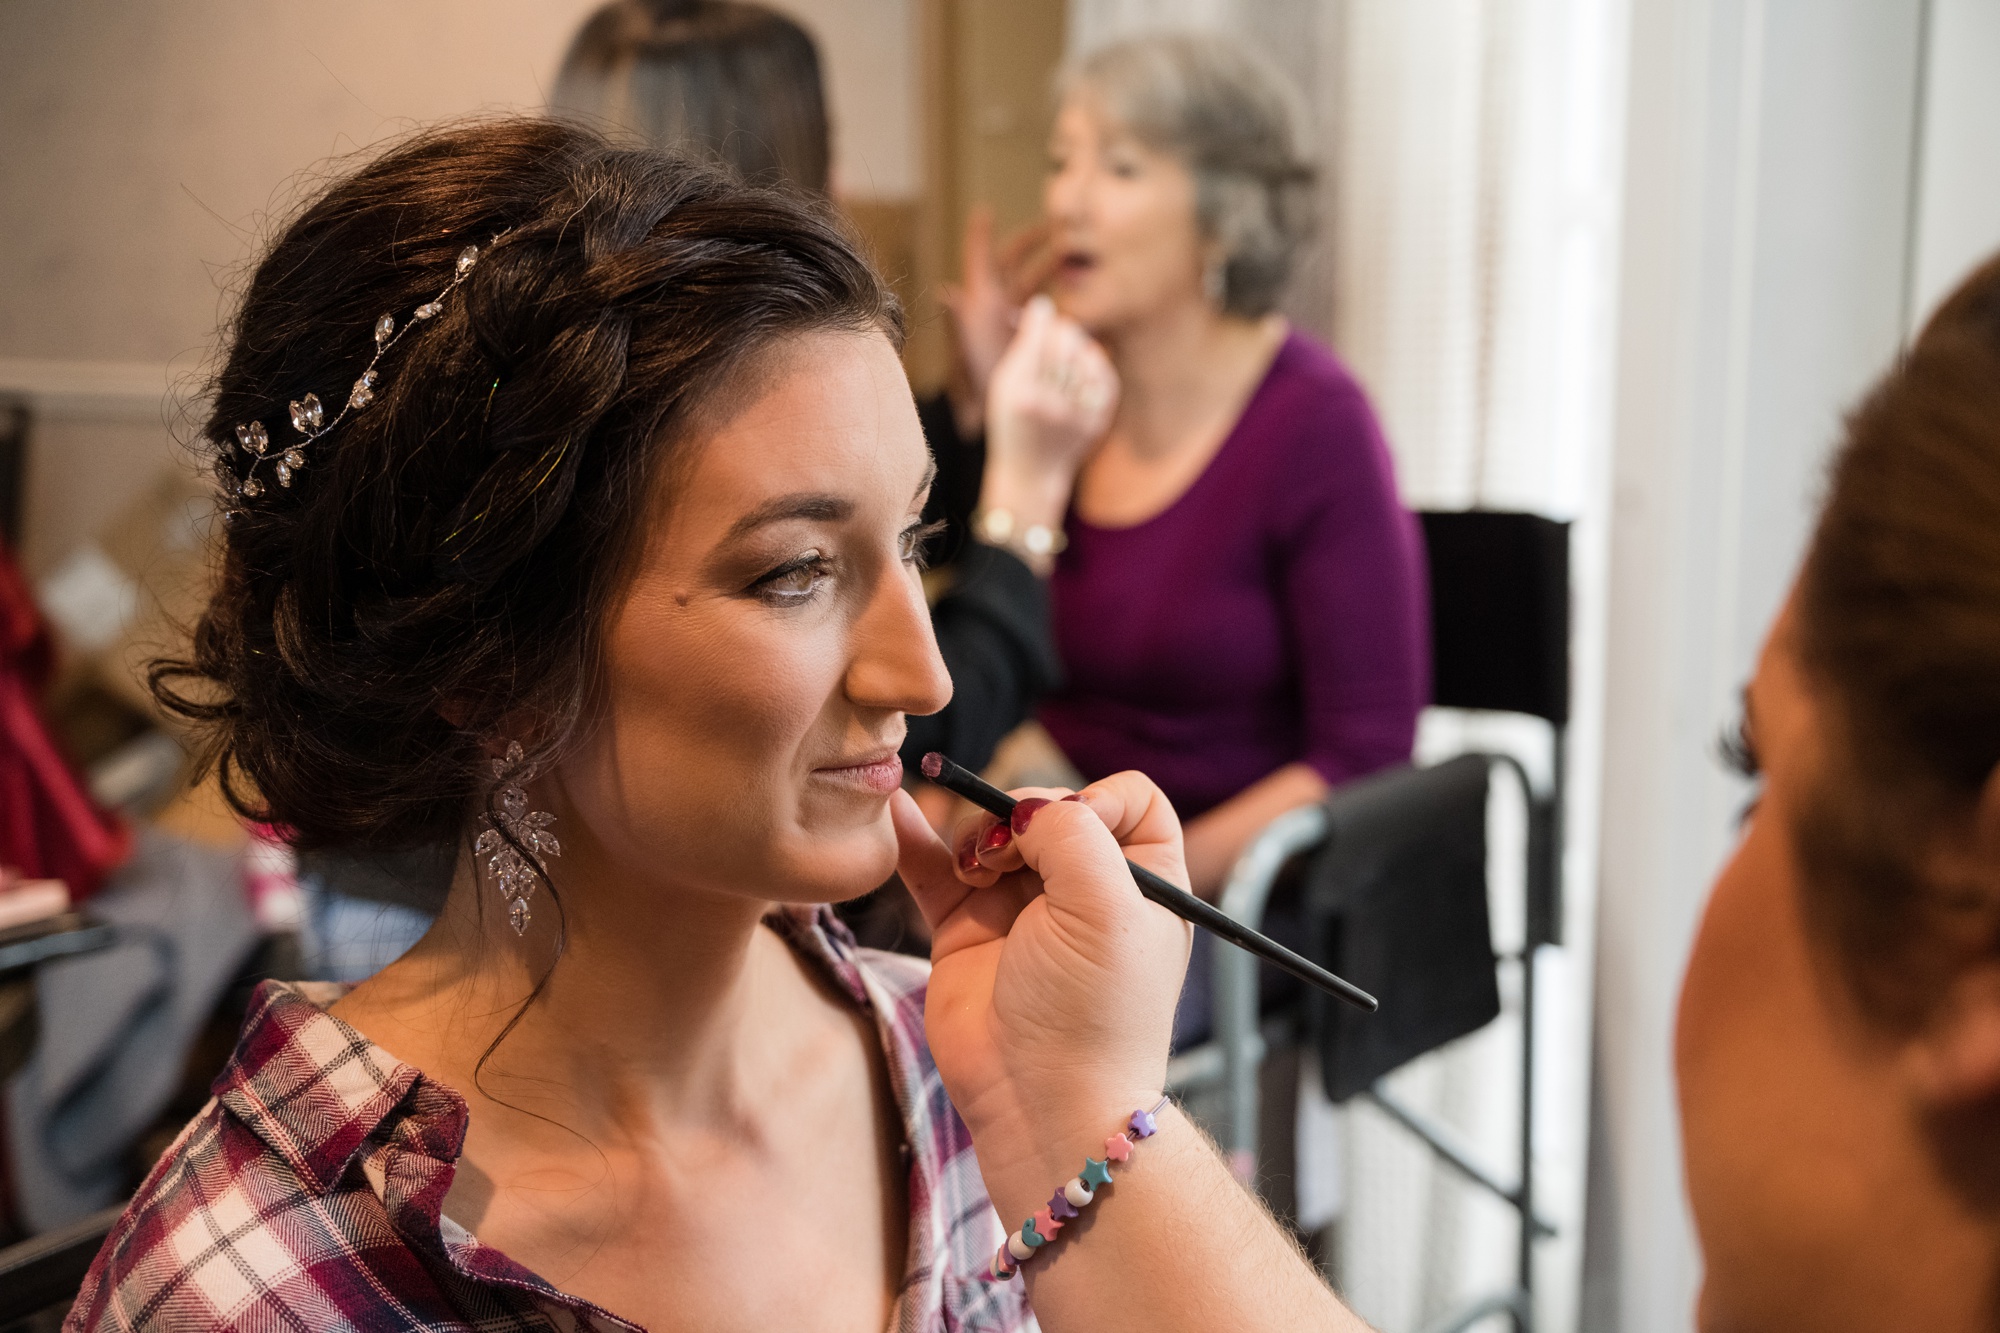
(306, 1196)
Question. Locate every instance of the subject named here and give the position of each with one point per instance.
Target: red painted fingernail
(968, 859)
(996, 837)
(1025, 811)
(1074, 796)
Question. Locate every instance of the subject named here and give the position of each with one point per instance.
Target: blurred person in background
(1240, 612)
(1839, 1036)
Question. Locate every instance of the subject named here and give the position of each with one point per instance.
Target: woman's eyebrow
(813, 507)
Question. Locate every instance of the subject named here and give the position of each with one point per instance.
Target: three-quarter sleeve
(1355, 590)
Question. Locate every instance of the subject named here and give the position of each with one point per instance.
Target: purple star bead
(1143, 1126)
(1060, 1206)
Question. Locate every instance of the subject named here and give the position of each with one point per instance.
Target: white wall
(1768, 170)
(870, 64)
(1958, 195)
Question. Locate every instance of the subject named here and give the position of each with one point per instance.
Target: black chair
(1386, 858)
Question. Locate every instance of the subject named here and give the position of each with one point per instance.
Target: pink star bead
(1046, 1223)
(1117, 1148)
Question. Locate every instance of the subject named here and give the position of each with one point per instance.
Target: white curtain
(1464, 269)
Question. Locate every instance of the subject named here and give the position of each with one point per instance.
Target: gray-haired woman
(1240, 609)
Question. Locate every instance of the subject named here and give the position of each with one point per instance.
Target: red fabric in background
(49, 826)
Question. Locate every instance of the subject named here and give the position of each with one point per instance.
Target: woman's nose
(1063, 194)
(896, 664)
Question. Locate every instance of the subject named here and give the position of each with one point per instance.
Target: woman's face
(1122, 223)
(757, 674)
(1816, 1200)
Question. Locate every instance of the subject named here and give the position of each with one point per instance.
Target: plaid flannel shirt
(307, 1195)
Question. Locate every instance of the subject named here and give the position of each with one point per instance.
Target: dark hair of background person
(737, 82)
(1898, 623)
(456, 547)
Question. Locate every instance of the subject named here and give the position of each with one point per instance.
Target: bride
(572, 502)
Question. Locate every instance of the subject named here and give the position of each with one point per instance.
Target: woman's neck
(1181, 368)
(664, 1008)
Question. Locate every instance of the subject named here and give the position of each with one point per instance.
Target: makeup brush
(961, 781)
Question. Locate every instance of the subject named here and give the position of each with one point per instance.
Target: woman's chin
(839, 867)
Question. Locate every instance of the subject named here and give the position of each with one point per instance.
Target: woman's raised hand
(1051, 399)
(1053, 981)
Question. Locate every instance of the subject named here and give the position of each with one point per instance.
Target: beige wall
(145, 146)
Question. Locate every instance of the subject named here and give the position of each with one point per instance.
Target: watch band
(999, 527)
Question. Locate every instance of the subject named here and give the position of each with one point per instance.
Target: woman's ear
(1954, 1059)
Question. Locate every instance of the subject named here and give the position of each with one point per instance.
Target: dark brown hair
(1899, 623)
(455, 547)
(734, 82)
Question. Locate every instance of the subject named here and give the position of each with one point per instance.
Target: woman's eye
(916, 540)
(794, 582)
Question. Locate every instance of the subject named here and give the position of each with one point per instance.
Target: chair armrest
(1244, 898)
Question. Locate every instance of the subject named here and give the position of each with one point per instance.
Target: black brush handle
(964, 782)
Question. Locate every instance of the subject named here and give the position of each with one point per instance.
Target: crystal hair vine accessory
(308, 414)
(511, 871)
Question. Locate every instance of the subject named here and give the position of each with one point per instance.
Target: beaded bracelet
(1075, 1195)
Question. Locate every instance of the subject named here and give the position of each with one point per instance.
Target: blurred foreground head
(734, 82)
(1839, 1043)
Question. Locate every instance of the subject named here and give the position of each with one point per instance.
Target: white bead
(1020, 1249)
(1077, 1192)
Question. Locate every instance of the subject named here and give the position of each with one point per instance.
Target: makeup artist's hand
(1054, 982)
(1051, 1004)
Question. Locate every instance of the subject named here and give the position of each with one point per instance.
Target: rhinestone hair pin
(308, 414)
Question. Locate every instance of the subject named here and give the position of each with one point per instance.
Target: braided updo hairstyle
(439, 573)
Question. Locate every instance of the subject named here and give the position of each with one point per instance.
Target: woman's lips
(876, 776)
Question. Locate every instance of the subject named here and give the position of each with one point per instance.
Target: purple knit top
(1275, 612)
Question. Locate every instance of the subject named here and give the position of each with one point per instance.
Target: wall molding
(125, 390)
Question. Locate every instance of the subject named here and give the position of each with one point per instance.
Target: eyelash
(916, 541)
(912, 541)
(1738, 753)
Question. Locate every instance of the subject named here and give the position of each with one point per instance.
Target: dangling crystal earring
(509, 868)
